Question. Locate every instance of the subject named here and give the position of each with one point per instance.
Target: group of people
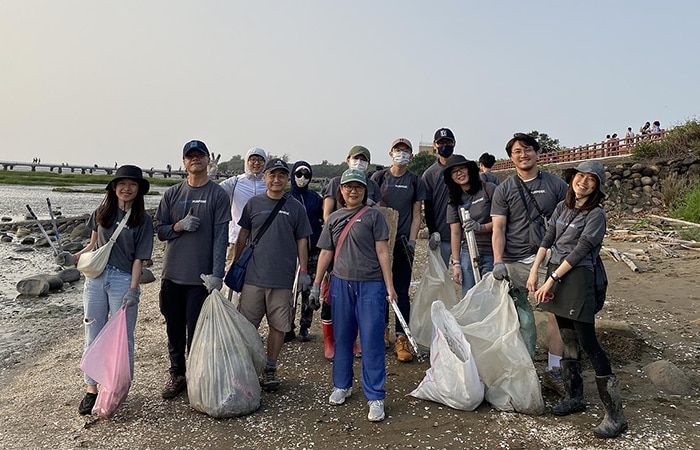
(334, 248)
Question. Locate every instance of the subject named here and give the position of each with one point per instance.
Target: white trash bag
(436, 284)
(452, 378)
(489, 321)
(226, 358)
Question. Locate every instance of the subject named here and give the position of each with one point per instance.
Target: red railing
(611, 147)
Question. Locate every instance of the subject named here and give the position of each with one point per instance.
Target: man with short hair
(436, 193)
(240, 188)
(192, 219)
(519, 202)
(267, 289)
(486, 161)
(403, 191)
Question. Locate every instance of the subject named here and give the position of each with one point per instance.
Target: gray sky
(130, 81)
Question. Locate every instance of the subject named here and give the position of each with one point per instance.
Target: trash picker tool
(471, 244)
(406, 330)
(41, 227)
(55, 227)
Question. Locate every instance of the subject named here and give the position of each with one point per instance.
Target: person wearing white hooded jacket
(240, 188)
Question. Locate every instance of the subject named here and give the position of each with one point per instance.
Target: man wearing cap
(313, 204)
(267, 289)
(519, 203)
(192, 219)
(240, 188)
(358, 159)
(403, 191)
(436, 193)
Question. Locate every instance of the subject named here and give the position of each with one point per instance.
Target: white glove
(189, 223)
(304, 281)
(434, 241)
(211, 282)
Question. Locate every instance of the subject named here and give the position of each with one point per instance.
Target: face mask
(401, 158)
(301, 181)
(358, 164)
(446, 150)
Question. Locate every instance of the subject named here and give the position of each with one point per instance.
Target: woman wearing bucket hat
(118, 285)
(466, 190)
(575, 235)
(359, 292)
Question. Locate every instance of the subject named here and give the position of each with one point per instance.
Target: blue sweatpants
(359, 305)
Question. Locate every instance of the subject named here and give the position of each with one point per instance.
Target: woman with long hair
(575, 235)
(118, 285)
(467, 191)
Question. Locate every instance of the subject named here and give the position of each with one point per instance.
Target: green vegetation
(68, 179)
(547, 144)
(420, 162)
(689, 208)
(678, 142)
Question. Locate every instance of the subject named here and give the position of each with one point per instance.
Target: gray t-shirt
(546, 188)
(575, 236)
(332, 188)
(131, 244)
(190, 253)
(274, 261)
(479, 207)
(436, 201)
(400, 193)
(357, 258)
(489, 177)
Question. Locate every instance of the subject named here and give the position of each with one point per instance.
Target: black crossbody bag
(538, 225)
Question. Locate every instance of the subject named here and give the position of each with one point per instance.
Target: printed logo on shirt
(201, 200)
(539, 191)
(286, 213)
(397, 186)
(482, 199)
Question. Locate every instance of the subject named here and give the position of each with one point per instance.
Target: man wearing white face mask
(403, 191)
(358, 159)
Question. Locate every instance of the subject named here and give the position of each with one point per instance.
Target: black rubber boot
(614, 421)
(574, 400)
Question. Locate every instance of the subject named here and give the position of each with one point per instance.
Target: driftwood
(612, 253)
(697, 249)
(681, 222)
(665, 250)
(630, 263)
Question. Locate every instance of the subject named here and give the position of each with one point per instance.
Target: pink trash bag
(107, 362)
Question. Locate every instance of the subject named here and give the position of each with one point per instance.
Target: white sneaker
(338, 395)
(376, 410)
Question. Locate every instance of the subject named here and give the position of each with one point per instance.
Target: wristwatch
(555, 277)
(455, 262)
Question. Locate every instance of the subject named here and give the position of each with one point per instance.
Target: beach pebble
(22, 231)
(80, 231)
(6, 238)
(69, 275)
(73, 247)
(667, 376)
(146, 276)
(28, 240)
(24, 249)
(6, 219)
(33, 286)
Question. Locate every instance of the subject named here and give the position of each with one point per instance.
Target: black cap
(444, 133)
(195, 145)
(276, 163)
(132, 173)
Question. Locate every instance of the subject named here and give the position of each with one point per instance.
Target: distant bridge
(95, 169)
(604, 149)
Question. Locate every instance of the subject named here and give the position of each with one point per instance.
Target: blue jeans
(359, 304)
(467, 273)
(102, 298)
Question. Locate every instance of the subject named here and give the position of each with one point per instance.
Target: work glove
(472, 225)
(434, 241)
(304, 281)
(190, 222)
(370, 202)
(500, 271)
(65, 259)
(211, 282)
(131, 298)
(315, 297)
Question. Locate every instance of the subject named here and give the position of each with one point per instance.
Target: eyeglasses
(195, 154)
(302, 174)
(459, 169)
(354, 187)
(257, 160)
(523, 151)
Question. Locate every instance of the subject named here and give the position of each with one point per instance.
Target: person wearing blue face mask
(436, 193)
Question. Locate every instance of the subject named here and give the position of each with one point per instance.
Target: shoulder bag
(235, 277)
(93, 263)
(538, 225)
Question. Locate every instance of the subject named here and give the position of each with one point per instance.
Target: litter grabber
(471, 244)
(406, 330)
(43, 231)
(295, 292)
(55, 227)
